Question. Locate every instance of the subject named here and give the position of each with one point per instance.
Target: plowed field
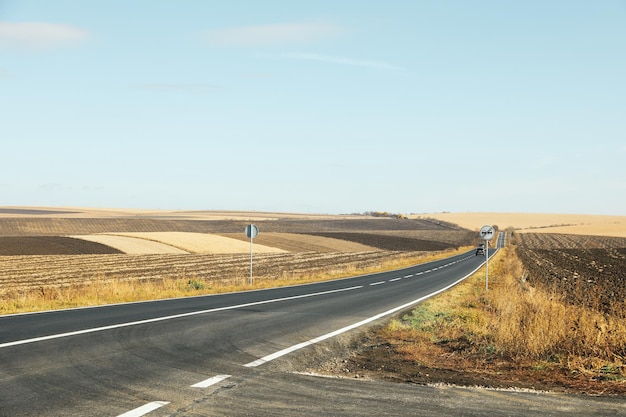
(43, 245)
(84, 226)
(589, 270)
(387, 242)
(299, 242)
(20, 273)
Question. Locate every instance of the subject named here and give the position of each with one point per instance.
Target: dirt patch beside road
(376, 356)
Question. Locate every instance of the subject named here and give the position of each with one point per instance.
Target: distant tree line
(385, 214)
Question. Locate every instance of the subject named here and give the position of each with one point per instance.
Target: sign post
(486, 234)
(251, 231)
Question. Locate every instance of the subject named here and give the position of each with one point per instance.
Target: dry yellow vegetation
(132, 245)
(580, 224)
(201, 242)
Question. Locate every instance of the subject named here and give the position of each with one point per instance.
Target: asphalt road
(227, 354)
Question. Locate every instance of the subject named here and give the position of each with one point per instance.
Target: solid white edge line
(176, 316)
(211, 381)
(144, 409)
(293, 348)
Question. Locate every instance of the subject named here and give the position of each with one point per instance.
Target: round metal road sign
(252, 231)
(486, 232)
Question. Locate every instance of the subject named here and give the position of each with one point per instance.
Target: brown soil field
(23, 273)
(589, 270)
(299, 242)
(50, 245)
(47, 226)
(388, 242)
(399, 240)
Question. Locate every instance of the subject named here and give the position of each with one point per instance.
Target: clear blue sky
(314, 106)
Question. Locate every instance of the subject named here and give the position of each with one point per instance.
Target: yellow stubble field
(197, 242)
(579, 224)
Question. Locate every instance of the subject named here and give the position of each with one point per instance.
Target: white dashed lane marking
(144, 409)
(211, 381)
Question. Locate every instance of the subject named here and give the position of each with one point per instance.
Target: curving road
(224, 354)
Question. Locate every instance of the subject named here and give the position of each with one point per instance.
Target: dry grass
(540, 325)
(515, 330)
(583, 224)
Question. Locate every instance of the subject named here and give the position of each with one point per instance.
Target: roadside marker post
(486, 234)
(251, 231)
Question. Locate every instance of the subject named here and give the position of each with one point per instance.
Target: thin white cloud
(541, 163)
(53, 186)
(34, 35)
(276, 34)
(344, 61)
(4, 73)
(183, 88)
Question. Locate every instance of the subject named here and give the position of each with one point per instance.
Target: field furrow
(587, 270)
(32, 272)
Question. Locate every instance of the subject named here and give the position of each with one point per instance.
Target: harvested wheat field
(132, 245)
(579, 224)
(201, 242)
